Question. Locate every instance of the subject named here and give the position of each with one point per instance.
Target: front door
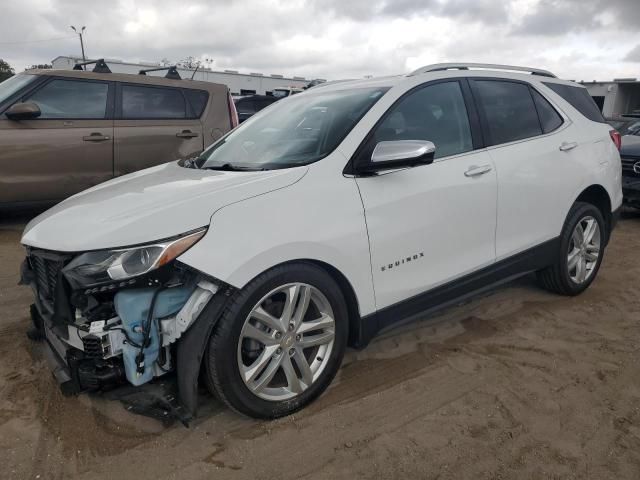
(153, 125)
(429, 224)
(67, 149)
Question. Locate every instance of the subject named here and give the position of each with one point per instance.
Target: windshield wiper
(228, 167)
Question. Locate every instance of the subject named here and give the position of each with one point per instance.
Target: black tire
(222, 373)
(556, 278)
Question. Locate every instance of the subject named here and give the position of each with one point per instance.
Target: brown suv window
(197, 100)
(152, 103)
(71, 99)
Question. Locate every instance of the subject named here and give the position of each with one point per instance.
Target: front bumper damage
(142, 340)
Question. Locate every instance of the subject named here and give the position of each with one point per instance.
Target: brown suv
(62, 131)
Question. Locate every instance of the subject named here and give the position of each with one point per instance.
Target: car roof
(130, 78)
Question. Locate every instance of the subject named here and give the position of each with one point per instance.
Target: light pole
(81, 42)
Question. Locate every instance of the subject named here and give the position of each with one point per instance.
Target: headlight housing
(103, 266)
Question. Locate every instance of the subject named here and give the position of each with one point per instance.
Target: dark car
(247, 106)
(630, 155)
(625, 125)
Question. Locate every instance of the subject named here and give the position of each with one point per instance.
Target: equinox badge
(399, 262)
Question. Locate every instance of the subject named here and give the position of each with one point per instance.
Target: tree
(6, 70)
(40, 66)
(190, 63)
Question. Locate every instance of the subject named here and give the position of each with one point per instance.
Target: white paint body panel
(318, 218)
(433, 211)
(145, 206)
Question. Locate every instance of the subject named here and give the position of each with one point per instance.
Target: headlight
(102, 266)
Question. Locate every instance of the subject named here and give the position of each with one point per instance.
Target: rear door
(67, 149)
(536, 159)
(153, 125)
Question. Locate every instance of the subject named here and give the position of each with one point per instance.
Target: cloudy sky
(576, 39)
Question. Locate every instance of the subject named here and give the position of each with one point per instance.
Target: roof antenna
(194, 72)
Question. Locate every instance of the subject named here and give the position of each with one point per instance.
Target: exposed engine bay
(111, 333)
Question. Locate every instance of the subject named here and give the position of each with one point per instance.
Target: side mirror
(401, 153)
(23, 111)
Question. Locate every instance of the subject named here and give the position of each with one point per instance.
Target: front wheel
(279, 343)
(582, 244)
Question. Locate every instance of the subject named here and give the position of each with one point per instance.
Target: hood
(148, 205)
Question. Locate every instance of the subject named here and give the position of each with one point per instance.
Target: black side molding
(445, 295)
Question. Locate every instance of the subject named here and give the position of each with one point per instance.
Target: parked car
(630, 153)
(63, 131)
(251, 104)
(283, 92)
(625, 125)
(334, 215)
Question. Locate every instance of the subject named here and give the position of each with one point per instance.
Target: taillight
(616, 138)
(233, 113)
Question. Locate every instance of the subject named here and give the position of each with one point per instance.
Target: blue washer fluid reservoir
(132, 307)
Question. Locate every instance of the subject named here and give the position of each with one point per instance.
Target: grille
(627, 166)
(46, 273)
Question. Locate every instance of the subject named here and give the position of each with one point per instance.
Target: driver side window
(436, 113)
(71, 99)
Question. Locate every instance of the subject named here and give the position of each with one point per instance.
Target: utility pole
(81, 42)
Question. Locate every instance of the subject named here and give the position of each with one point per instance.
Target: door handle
(474, 171)
(186, 134)
(96, 137)
(566, 146)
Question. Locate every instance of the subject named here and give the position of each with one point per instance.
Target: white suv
(320, 221)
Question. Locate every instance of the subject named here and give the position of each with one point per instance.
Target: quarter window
(436, 113)
(549, 118)
(579, 99)
(152, 103)
(245, 105)
(71, 99)
(197, 99)
(509, 110)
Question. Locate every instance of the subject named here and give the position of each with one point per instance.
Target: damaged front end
(117, 317)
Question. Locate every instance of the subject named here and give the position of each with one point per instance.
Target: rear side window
(549, 118)
(152, 103)
(71, 99)
(245, 105)
(197, 100)
(509, 110)
(579, 99)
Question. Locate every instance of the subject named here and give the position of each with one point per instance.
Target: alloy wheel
(286, 341)
(584, 250)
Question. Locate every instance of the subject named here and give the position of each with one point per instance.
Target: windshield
(295, 131)
(12, 84)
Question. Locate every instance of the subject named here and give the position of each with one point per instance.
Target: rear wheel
(279, 343)
(582, 244)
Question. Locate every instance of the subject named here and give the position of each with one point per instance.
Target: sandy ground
(518, 384)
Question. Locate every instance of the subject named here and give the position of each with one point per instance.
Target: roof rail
(437, 67)
(101, 66)
(172, 72)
